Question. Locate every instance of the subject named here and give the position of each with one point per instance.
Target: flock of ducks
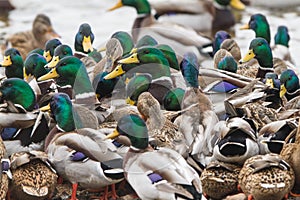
(144, 111)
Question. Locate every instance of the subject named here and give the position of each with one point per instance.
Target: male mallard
(5, 164)
(216, 14)
(41, 32)
(22, 127)
(84, 39)
(198, 120)
(173, 99)
(13, 63)
(154, 174)
(161, 130)
(290, 86)
(290, 152)
(60, 52)
(272, 136)
(33, 177)
(147, 60)
(219, 179)
(49, 48)
(266, 177)
(179, 38)
(80, 154)
(237, 141)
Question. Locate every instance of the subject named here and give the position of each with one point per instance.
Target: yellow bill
(250, 55)
(119, 4)
(87, 44)
(269, 82)
(237, 4)
(113, 135)
(53, 62)
(245, 27)
(129, 60)
(6, 61)
(282, 90)
(118, 71)
(129, 101)
(52, 74)
(45, 108)
(133, 50)
(47, 55)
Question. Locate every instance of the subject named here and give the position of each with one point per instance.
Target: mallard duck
(84, 39)
(154, 174)
(266, 177)
(13, 63)
(173, 99)
(237, 141)
(33, 176)
(179, 38)
(34, 67)
(289, 153)
(147, 60)
(216, 14)
(290, 86)
(225, 61)
(22, 127)
(272, 136)
(60, 52)
(80, 154)
(5, 171)
(198, 120)
(161, 130)
(41, 32)
(219, 179)
(49, 48)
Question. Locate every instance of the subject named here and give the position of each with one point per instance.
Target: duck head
(289, 84)
(173, 99)
(13, 63)
(282, 36)
(60, 52)
(141, 6)
(49, 48)
(34, 66)
(190, 69)
(84, 39)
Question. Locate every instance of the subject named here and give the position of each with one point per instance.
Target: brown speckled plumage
(266, 177)
(220, 179)
(33, 180)
(3, 177)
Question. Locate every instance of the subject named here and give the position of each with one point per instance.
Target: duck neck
(15, 70)
(142, 7)
(265, 59)
(64, 118)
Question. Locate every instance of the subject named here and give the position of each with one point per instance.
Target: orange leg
(105, 195)
(113, 192)
(74, 190)
(250, 197)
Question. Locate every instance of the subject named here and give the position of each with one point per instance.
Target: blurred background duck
(181, 39)
(216, 14)
(33, 176)
(22, 127)
(80, 154)
(266, 177)
(41, 32)
(149, 171)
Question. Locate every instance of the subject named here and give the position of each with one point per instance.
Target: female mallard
(217, 15)
(266, 177)
(5, 172)
(290, 153)
(49, 48)
(179, 38)
(155, 174)
(13, 63)
(220, 179)
(22, 127)
(33, 177)
(41, 32)
(80, 154)
(237, 142)
(161, 130)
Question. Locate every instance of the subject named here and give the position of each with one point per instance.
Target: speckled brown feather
(3, 177)
(220, 179)
(33, 180)
(266, 177)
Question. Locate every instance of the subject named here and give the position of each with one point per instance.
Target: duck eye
(259, 44)
(146, 51)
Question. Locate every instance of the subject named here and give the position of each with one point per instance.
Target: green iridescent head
(190, 69)
(173, 99)
(220, 36)
(141, 6)
(34, 66)
(125, 40)
(49, 48)
(228, 63)
(84, 39)
(146, 40)
(282, 36)
(13, 63)
(19, 92)
(289, 83)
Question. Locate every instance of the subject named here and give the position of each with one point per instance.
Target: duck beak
(245, 27)
(47, 55)
(52, 74)
(26, 76)
(102, 49)
(134, 50)
(282, 91)
(250, 54)
(129, 101)
(53, 62)
(129, 60)
(269, 82)
(118, 71)
(45, 108)
(113, 135)
(6, 61)
(237, 4)
(87, 44)
(119, 4)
